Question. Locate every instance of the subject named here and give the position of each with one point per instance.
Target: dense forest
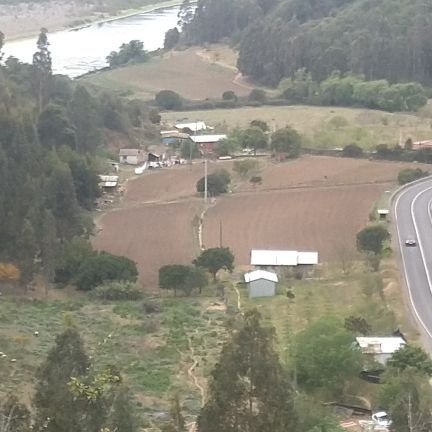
(51, 133)
(387, 39)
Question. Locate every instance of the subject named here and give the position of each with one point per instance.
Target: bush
(408, 175)
(73, 254)
(151, 306)
(257, 95)
(217, 183)
(104, 267)
(168, 99)
(118, 290)
(229, 95)
(352, 151)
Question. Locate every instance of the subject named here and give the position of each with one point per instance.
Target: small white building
(276, 258)
(131, 156)
(380, 348)
(261, 283)
(108, 181)
(193, 126)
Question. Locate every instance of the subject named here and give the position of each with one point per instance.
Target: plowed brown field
(314, 203)
(151, 235)
(318, 219)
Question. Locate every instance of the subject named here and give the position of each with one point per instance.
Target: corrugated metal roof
(108, 178)
(200, 139)
(307, 258)
(260, 274)
(273, 257)
(282, 258)
(380, 345)
(193, 126)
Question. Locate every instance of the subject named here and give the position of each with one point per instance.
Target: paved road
(413, 219)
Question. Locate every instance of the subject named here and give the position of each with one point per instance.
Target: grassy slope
(365, 127)
(196, 73)
(152, 351)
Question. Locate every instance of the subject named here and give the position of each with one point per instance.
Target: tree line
(51, 131)
(378, 40)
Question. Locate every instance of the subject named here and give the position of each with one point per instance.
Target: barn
(261, 283)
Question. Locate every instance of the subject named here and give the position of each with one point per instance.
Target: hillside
(380, 40)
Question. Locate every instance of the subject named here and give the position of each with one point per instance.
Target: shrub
(257, 95)
(260, 124)
(408, 175)
(118, 290)
(151, 306)
(104, 267)
(168, 99)
(217, 183)
(229, 95)
(352, 151)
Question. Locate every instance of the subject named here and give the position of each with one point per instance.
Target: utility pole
(220, 233)
(205, 179)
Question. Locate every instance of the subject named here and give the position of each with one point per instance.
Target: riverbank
(24, 20)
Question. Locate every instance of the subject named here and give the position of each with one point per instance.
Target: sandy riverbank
(24, 20)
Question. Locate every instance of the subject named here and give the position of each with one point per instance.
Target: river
(75, 52)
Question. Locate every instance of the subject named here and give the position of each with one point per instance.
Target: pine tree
(249, 390)
(56, 408)
(43, 67)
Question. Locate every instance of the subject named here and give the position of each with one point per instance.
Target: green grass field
(364, 127)
(152, 351)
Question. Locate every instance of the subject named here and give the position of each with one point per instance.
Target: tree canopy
(325, 357)
(286, 140)
(248, 389)
(182, 277)
(279, 37)
(215, 259)
(372, 238)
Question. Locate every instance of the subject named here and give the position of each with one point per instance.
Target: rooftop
(260, 274)
(283, 257)
(193, 126)
(130, 152)
(380, 345)
(200, 139)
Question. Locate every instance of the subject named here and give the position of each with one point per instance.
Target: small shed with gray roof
(261, 283)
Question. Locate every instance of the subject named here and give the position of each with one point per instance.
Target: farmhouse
(277, 258)
(261, 283)
(131, 156)
(207, 143)
(380, 348)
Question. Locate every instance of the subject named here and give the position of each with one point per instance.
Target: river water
(75, 52)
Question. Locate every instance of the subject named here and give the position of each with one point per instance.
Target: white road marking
(404, 266)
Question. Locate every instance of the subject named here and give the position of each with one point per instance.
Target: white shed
(261, 283)
(380, 348)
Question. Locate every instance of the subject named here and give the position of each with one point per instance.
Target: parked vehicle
(381, 418)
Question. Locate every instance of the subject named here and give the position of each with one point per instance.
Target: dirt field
(169, 184)
(151, 235)
(314, 203)
(195, 73)
(319, 219)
